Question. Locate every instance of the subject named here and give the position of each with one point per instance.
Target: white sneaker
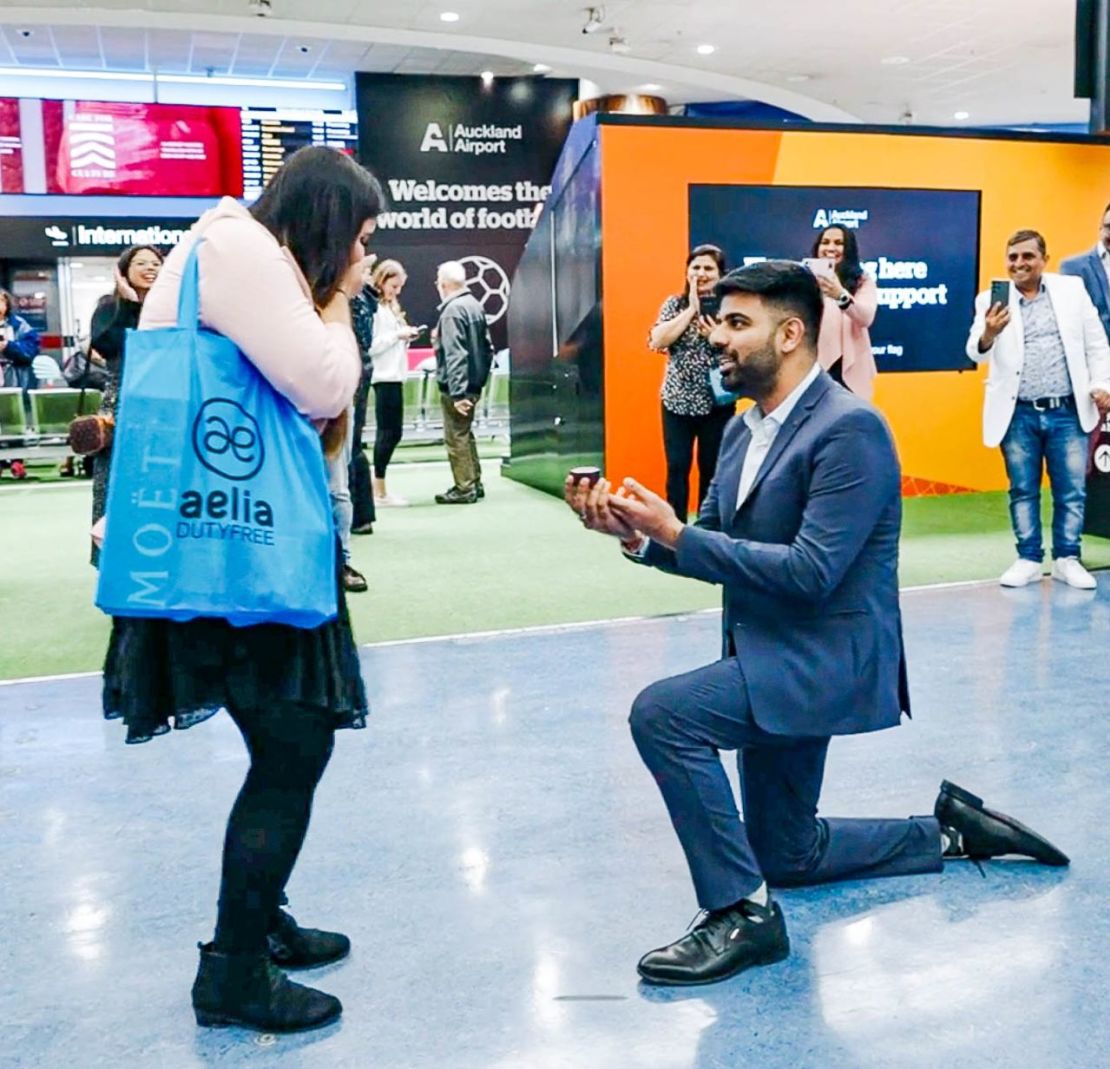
(1069, 570)
(1022, 572)
(391, 501)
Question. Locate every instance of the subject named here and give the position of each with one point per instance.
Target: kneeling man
(800, 527)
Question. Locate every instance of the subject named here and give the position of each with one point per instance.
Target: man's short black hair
(1028, 235)
(785, 284)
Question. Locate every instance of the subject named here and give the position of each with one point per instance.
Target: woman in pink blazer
(851, 299)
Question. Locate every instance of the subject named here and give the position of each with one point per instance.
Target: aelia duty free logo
(227, 440)
(484, 140)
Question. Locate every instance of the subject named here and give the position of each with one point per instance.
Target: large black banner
(466, 167)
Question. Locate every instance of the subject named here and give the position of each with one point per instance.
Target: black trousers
(389, 412)
(289, 747)
(358, 476)
(680, 433)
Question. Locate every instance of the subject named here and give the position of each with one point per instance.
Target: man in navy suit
(800, 526)
(1094, 268)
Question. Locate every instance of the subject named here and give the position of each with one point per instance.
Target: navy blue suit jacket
(1088, 267)
(809, 566)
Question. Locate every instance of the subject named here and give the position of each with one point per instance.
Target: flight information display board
(271, 135)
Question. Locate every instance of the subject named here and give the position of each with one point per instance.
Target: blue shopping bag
(218, 497)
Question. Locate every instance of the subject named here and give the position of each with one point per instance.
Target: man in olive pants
(464, 355)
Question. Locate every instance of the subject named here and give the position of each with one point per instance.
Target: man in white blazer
(1049, 381)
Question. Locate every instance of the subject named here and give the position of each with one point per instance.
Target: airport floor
(501, 860)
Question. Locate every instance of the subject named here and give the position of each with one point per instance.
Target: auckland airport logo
(846, 217)
(486, 139)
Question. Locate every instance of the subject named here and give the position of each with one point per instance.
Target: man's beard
(757, 375)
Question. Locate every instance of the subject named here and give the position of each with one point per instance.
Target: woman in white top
(390, 353)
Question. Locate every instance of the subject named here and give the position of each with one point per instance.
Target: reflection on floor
(501, 860)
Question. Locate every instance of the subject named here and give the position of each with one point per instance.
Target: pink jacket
(844, 335)
(253, 292)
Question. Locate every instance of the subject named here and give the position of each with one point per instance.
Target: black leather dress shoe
(480, 490)
(983, 833)
(723, 943)
(294, 947)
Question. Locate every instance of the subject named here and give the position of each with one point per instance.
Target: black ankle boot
(248, 990)
(294, 947)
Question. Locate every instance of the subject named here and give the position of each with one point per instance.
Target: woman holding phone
(691, 414)
(851, 299)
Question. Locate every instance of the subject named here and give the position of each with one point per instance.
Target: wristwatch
(843, 301)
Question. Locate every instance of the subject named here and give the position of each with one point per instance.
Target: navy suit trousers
(680, 724)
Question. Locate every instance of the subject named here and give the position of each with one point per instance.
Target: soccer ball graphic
(489, 284)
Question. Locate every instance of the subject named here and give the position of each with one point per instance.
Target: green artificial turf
(518, 559)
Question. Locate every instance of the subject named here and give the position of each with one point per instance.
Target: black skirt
(159, 674)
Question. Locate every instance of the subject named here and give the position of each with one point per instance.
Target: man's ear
(793, 334)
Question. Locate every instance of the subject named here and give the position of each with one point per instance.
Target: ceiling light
(651, 87)
(177, 79)
(261, 83)
(619, 45)
(895, 61)
(541, 68)
(594, 19)
(487, 77)
(961, 115)
(449, 16)
(706, 50)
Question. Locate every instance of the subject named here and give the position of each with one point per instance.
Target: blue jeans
(1036, 440)
(339, 488)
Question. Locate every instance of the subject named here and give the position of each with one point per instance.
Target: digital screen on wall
(921, 247)
(272, 135)
(82, 147)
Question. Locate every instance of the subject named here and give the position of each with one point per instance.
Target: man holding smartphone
(1049, 381)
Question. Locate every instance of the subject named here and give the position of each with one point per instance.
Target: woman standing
(19, 345)
(298, 255)
(851, 299)
(390, 353)
(690, 412)
(115, 314)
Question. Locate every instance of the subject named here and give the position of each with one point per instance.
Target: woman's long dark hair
(316, 205)
(715, 254)
(848, 270)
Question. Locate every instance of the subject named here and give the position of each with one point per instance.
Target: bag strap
(188, 297)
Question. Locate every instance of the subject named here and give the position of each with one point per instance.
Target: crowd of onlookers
(1044, 336)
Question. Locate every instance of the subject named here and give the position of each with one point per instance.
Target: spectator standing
(390, 351)
(1094, 268)
(850, 299)
(1049, 376)
(115, 314)
(464, 356)
(19, 345)
(364, 306)
(691, 414)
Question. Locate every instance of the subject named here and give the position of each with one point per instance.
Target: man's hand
(997, 319)
(592, 504)
(647, 512)
(1102, 399)
(464, 406)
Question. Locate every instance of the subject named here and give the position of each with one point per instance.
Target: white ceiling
(1003, 61)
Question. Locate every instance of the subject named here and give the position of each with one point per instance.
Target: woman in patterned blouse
(690, 413)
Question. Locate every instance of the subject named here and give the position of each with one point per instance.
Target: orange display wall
(1059, 187)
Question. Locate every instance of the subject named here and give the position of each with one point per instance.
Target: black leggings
(679, 435)
(289, 748)
(389, 411)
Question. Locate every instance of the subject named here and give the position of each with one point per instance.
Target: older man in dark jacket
(464, 355)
